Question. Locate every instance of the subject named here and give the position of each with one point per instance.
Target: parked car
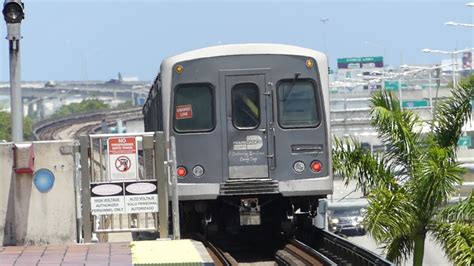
(347, 221)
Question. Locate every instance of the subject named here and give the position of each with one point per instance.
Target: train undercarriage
(236, 214)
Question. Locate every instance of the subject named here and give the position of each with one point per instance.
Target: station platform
(156, 252)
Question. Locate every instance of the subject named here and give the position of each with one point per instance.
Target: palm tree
(408, 185)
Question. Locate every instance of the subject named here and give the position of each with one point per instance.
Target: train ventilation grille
(249, 186)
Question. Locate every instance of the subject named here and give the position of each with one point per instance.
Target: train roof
(242, 49)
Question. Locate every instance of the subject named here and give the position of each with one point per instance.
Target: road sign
(465, 141)
(123, 158)
(393, 85)
(360, 62)
(414, 103)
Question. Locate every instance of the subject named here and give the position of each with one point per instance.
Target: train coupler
(249, 211)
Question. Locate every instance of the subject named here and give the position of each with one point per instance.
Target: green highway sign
(414, 103)
(465, 141)
(360, 62)
(393, 85)
(371, 59)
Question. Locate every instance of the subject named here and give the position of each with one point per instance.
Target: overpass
(36, 95)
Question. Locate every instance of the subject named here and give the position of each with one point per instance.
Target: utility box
(24, 158)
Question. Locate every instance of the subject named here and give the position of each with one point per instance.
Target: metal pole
(162, 180)
(453, 70)
(15, 89)
(86, 193)
(400, 92)
(174, 189)
(431, 96)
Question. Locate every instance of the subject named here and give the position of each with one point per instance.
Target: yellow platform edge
(170, 252)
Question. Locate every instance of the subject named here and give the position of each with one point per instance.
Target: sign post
(162, 177)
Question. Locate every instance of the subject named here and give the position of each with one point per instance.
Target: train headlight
(309, 63)
(181, 171)
(198, 171)
(299, 167)
(316, 166)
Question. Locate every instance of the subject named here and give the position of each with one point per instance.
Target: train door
(247, 110)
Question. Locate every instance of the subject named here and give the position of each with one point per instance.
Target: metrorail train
(251, 126)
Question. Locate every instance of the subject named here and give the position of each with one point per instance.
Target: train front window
(245, 106)
(194, 108)
(297, 104)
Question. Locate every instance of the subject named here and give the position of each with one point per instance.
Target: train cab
(251, 126)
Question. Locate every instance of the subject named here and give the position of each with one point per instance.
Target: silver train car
(252, 131)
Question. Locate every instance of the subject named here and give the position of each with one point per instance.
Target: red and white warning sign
(123, 158)
(184, 111)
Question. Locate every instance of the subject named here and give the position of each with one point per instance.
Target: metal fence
(112, 179)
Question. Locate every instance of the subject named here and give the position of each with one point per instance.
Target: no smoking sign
(123, 158)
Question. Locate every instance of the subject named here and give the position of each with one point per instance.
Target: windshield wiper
(292, 85)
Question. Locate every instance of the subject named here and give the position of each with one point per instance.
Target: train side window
(194, 108)
(297, 104)
(245, 106)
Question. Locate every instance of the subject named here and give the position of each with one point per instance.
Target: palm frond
(453, 113)
(400, 249)
(354, 163)
(437, 179)
(391, 219)
(457, 240)
(462, 211)
(397, 128)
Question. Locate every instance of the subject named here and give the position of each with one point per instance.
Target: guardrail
(340, 250)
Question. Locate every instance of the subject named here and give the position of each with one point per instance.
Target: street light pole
(13, 14)
(324, 21)
(429, 69)
(453, 56)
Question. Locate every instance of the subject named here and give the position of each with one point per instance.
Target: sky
(94, 40)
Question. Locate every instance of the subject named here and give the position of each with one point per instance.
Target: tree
(124, 105)
(5, 127)
(87, 105)
(408, 185)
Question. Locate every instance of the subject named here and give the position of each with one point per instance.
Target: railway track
(71, 127)
(292, 253)
(297, 253)
(311, 246)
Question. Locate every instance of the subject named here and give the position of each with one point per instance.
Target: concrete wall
(7, 215)
(39, 218)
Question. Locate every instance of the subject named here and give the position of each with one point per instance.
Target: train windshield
(245, 106)
(194, 108)
(297, 104)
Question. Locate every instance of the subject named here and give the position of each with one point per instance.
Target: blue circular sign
(43, 180)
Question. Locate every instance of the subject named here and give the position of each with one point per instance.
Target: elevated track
(71, 127)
